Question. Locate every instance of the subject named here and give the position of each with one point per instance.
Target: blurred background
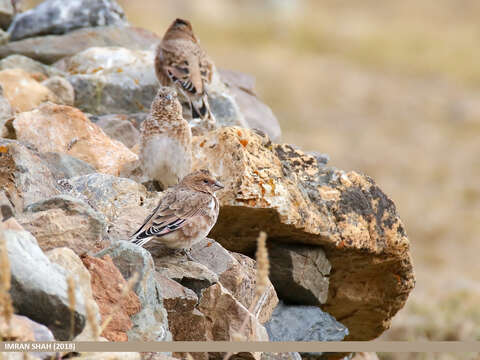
(387, 88)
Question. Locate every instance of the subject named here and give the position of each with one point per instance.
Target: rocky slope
(72, 193)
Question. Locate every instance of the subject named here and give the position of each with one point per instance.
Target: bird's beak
(218, 185)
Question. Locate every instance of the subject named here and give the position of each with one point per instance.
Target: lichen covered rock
(288, 194)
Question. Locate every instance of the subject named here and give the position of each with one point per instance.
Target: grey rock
(6, 207)
(29, 65)
(238, 79)
(24, 176)
(122, 80)
(303, 323)
(62, 89)
(60, 16)
(51, 48)
(124, 203)
(150, 324)
(64, 166)
(120, 127)
(39, 287)
(299, 273)
(6, 13)
(64, 221)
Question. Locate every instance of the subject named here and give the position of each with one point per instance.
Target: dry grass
(5, 284)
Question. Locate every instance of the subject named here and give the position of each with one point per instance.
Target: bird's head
(180, 28)
(202, 180)
(166, 102)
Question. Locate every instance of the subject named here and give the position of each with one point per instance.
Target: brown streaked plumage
(185, 214)
(181, 62)
(166, 140)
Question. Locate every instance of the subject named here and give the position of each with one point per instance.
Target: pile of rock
(74, 92)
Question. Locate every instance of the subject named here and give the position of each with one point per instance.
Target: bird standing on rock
(166, 140)
(181, 62)
(185, 214)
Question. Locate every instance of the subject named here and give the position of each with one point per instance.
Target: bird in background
(181, 62)
(165, 140)
(184, 216)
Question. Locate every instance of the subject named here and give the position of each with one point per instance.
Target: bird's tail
(201, 109)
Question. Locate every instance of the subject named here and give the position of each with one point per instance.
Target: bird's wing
(175, 209)
(181, 63)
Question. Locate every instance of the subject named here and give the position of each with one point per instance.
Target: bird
(184, 216)
(165, 140)
(182, 63)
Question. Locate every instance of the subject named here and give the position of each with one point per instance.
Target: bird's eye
(205, 181)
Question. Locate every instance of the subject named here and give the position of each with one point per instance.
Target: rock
(124, 203)
(6, 112)
(73, 265)
(23, 175)
(151, 324)
(185, 321)
(190, 274)
(283, 191)
(225, 316)
(238, 79)
(134, 118)
(24, 329)
(257, 115)
(7, 209)
(299, 273)
(62, 89)
(304, 323)
(36, 69)
(120, 128)
(6, 13)
(51, 48)
(236, 273)
(22, 91)
(130, 259)
(4, 37)
(64, 221)
(58, 17)
(122, 80)
(39, 287)
(107, 286)
(58, 128)
(63, 166)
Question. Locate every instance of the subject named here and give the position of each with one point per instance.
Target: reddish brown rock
(295, 199)
(107, 286)
(64, 129)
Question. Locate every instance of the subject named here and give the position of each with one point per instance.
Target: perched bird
(181, 62)
(166, 140)
(185, 214)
